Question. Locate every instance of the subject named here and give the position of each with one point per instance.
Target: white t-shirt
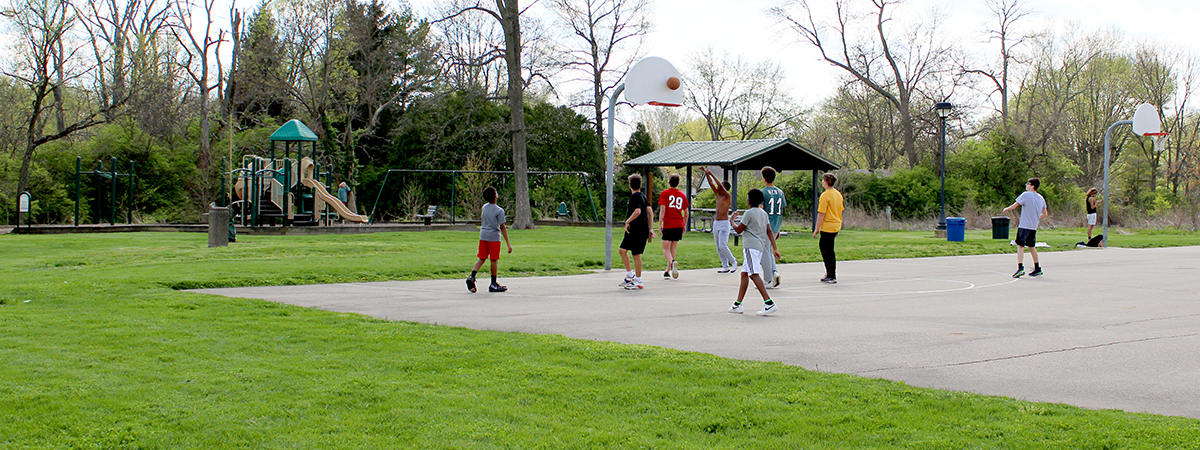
(1032, 205)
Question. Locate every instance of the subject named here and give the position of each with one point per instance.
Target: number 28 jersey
(674, 203)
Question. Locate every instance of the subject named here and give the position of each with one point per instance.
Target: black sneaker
(667, 275)
(1037, 272)
(496, 287)
(471, 284)
(1020, 272)
(829, 280)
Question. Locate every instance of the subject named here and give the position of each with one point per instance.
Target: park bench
(428, 216)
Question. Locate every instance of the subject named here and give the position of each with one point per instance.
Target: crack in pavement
(1027, 355)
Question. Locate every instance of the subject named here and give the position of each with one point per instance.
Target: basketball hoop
(1160, 141)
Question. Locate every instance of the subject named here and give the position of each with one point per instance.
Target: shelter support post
(816, 199)
(691, 199)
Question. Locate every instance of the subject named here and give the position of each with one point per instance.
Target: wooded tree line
(179, 87)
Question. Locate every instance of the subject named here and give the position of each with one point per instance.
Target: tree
(392, 63)
(603, 28)
(1076, 88)
(42, 28)
(258, 82)
(738, 99)
(866, 129)
(898, 73)
(1006, 13)
(508, 14)
(198, 54)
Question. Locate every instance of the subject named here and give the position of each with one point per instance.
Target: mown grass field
(100, 350)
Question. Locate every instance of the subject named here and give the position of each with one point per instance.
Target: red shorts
(489, 250)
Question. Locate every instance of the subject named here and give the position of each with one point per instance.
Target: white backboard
(646, 83)
(1145, 120)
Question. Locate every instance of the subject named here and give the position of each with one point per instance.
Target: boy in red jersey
(673, 215)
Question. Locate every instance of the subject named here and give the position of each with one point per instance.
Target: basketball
(673, 83)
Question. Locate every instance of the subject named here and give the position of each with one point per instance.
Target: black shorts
(635, 243)
(1026, 238)
(673, 234)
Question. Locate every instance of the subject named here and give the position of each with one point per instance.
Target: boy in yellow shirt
(829, 223)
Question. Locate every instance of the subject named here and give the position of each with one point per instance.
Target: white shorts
(753, 262)
(1091, 218)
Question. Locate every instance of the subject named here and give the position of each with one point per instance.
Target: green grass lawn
(99, 350)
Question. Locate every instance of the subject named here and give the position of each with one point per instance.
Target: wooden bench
(428, 216)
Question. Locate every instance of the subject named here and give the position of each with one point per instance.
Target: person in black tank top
(1089, 205)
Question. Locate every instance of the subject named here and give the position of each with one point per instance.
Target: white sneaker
(626, 282)
(736, 309)
(768, 309)
(724, 270)
(776, 284)
(674, 269)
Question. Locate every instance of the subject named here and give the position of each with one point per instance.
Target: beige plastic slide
(306, 169)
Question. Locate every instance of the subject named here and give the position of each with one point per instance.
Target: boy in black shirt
(637, 233)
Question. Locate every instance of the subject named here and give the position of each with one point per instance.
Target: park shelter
(735, 156)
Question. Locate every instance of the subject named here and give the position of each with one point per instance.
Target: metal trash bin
(956, 229)
(1000, 227)
(218, 226)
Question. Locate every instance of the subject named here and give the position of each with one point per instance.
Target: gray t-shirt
(491, 218)
(757, 223)
(1032, 205)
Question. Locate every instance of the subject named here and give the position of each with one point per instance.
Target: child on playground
(756, 229)
(637, 233)
(829, 224)
(672, 223)
(721, 227)
(773, 203)
(1033, 209)
(490, 230)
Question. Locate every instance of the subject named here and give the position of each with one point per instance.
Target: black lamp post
(943, 110)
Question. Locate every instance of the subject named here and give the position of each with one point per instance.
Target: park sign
(23, 203)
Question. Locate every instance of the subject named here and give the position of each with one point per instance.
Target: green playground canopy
(294, 130)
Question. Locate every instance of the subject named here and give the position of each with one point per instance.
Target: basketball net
(1160, 141)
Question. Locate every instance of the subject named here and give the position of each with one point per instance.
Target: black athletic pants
(827, 254)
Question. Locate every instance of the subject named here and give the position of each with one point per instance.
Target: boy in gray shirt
(1033, 210)
(492, 227)
(756, 229)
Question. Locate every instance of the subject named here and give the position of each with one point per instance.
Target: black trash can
(1000, 227)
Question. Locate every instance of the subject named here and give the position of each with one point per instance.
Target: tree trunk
(205, 124)
(23, 182)
(510, 21)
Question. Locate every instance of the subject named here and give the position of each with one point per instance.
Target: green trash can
(1000, 227)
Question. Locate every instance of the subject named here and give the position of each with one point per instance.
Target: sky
(743, 27)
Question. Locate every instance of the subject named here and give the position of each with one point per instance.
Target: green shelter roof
(782, 154)
(294, 130)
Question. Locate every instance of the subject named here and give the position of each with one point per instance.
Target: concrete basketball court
(1109, 329)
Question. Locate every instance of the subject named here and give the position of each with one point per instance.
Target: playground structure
(291, 190)
(111, 176)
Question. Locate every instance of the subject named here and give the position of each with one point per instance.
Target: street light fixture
(943, 110)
